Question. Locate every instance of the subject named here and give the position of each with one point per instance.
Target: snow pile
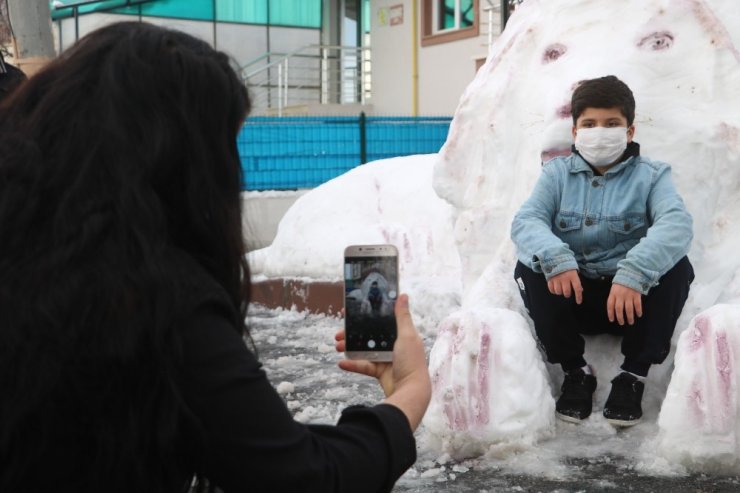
(703, 396)
(492, 390)
(495, 391)
(388, 201)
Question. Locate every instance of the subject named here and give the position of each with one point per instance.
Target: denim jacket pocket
(567, 221)
(628, 225)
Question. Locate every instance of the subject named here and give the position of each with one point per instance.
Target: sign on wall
(392, 15)
(396, 15)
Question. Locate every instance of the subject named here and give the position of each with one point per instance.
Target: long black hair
(116, 159)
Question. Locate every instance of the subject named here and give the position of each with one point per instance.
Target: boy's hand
(566, 283)
(623, 301)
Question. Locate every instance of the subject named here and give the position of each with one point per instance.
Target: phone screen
(370, 293)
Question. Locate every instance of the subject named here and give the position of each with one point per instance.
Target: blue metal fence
(284, 153)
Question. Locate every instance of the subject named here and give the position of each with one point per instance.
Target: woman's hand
(405, 381)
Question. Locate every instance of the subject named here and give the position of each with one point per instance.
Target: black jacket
(252, 442)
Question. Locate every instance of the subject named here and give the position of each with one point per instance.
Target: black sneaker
(623, 407)
(574, 404)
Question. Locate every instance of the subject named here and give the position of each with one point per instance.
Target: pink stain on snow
(724, 372)
(713, 26)
(453, 136)
(386, 235)
(377, 191)
(553, 52)
(497, 59)
(443, 392)
(457, 343)
(696, 404)
(455, 409)
(446, 332)
(407, 248)
(702, 326)
(730, 135)
(564, 111)
(657, 41)
(482, 416)
(712, 411)
(462, 408)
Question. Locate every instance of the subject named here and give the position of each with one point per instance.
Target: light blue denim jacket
(629, 223)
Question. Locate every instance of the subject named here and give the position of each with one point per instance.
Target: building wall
(392, 67)
(444, 70)
(243, 42)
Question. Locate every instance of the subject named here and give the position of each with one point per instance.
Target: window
(448, 20)
(452, 14)
(293, 13)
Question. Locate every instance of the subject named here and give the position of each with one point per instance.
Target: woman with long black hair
(123, 292)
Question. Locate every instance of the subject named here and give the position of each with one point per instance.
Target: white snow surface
(449, 215)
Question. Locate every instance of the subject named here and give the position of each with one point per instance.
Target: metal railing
(290, 152)
(313, 74)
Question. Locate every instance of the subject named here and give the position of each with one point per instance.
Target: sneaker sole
(623, 423)
(569, 419)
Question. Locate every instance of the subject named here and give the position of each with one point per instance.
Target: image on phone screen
(371, 290)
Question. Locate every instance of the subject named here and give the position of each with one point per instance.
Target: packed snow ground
(299, 358)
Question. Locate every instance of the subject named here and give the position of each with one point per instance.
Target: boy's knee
(682, 272)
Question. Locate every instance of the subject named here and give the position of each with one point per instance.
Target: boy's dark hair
(604, 92)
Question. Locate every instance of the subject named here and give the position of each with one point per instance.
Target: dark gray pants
(559, 321)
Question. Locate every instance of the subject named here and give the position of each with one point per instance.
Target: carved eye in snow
(553, 52)
(657, 41)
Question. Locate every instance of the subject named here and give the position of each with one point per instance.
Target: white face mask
(601, 146)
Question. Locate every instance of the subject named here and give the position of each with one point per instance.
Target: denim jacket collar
(578, 164)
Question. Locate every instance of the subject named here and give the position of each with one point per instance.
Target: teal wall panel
(292, 13)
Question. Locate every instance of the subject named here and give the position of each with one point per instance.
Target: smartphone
(370, 294)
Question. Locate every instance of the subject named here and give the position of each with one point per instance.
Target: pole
(285, 80)
(280, 89)
(269, 58)
(414, 60)
(363, 138)
(215, 17)
(32, 38)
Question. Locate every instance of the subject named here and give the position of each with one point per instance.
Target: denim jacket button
(645, 286)
(594, 183)
(548, 269)
(626, 226)
(589, 222)
(562, 224)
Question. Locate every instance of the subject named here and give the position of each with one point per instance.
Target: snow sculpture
(492, 387)
(681, 61)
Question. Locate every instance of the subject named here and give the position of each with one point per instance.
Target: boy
(602, 244)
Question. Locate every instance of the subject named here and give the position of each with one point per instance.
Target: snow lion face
(678, 57)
